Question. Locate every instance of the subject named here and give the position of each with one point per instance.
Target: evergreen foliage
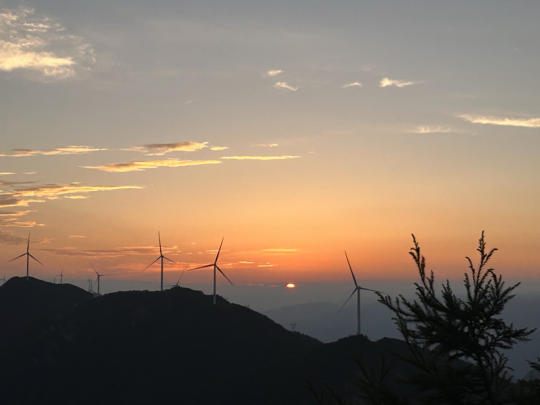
(452, 329)
(457, 345)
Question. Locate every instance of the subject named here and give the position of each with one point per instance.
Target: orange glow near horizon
(291, 285)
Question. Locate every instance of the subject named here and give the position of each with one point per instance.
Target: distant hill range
(319, 320)
(59, 345)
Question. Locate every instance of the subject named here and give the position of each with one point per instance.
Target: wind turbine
(215, 266)
(356, 290)
(160, 257)
(99, 276)
(28, 256)
(89, 284)
(61, 275)
(3, 280)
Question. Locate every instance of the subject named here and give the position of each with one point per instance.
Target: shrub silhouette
(456, 345)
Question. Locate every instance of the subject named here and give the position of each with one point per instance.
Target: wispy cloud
(77, 236)
(29, 42)
(283, 85)
(385, 82)
(265, 265)
(12, 219)
(76, 197)
(15, 213)
(355, 84)
(260, 157)
(63, 150)
(423, 129)
(268, 145)
(117, 252)
(15, 183)
(6, 222)
(219, 148)
(273, 73)
(150, 164)
(7, 238)
(513, 122)
(52, 191)
(5, 173)
(9, 200)
(160, 149)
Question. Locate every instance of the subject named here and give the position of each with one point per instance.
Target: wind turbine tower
(356, 290)
(28, 256)
(216, 267)
(99, 276)
(162, 257)
(61, 275)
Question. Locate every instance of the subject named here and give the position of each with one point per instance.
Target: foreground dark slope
(139, 347)
(167, 347)
(25, 306)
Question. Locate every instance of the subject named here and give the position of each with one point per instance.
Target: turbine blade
(24, 254)
(28, 245)
(219, 250)
(30, 254)
(159, 239)
(202, 267)
(179, 278)
(151, 263)
(354, 278)
(224, 275)
(91, 265)
(350, 296)
(368, 289)
(166, 258)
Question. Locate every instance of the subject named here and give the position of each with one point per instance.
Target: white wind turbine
(99, 276)
(356, 290)
(216, 267)
(28, 256)
(162, 258)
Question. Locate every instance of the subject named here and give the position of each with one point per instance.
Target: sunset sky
(296, 130)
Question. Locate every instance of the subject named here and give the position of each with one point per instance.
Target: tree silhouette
(456, 344)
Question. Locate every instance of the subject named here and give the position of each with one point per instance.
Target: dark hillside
(170, 347)
(150, 347)
(333, 364)
(25, 306)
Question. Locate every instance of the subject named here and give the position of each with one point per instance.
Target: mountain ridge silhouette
(174, 346)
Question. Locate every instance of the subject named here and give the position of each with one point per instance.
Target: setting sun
(291, 285)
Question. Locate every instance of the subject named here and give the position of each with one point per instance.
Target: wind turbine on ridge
(216, 267)
(99, 276)
(90, 290)
(161, 256)
(28, 256)
(356, 290)
(3, 280)
(61, 275)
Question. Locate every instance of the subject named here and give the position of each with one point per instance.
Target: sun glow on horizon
(291, 285)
